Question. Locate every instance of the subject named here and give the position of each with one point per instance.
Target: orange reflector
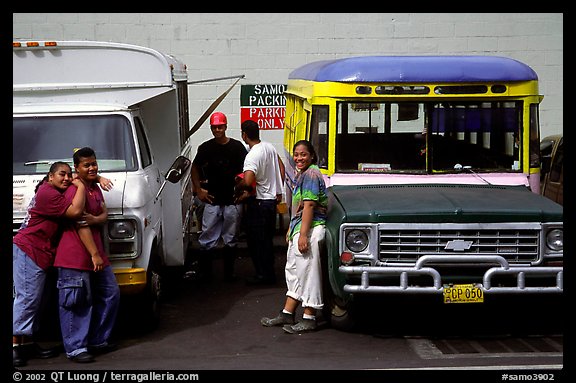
(16, 45)
(50, 44)
(32, 44)
(558, 263)
(346, 258)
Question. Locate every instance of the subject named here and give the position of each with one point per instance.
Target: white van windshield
(40, 141)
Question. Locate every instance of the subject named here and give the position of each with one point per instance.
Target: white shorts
(303, 271)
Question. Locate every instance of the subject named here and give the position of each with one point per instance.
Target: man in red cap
(214, 170)
(218, 119)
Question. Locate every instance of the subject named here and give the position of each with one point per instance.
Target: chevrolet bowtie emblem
(458, 245)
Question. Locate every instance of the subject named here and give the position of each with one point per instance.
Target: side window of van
(319, 134)
(142, 144)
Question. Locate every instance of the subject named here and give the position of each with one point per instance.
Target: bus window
(479, 135)
(295, 122)
(319, 134)
(391, 137)
(380, 137)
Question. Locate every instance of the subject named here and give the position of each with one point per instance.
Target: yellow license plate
(463, 294)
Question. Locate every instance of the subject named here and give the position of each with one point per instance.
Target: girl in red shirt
(33, 250)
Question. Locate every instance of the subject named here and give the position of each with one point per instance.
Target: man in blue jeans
(88, 294)
(263, 167)
(214, 170)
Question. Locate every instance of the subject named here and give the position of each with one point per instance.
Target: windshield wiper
(46, 162)
(468, 168)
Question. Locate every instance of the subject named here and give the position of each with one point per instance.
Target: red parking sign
(265, 104)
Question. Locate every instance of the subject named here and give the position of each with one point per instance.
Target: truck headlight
(121, 229)
(555, 239)
(356, 240)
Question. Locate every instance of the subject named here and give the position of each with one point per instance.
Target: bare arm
(244, 186)
(307, 216)
(96, 219)
(76, 209)
(283, 175)
(249, 179)
(201, 193)
(105, 183)
(282, 168)
(85, 235)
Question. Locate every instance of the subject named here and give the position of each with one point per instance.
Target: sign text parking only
(265, 104)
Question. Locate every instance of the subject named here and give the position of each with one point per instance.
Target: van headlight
(356, 240)
(122, 229)
(555, 239)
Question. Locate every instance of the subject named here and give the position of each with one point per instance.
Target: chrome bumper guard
(418, 269)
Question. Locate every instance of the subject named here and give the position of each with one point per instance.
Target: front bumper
(364, 273)
(131, 280)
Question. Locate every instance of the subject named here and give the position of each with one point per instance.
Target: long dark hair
(53, 168)
(309, 147)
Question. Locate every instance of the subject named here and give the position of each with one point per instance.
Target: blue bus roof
(417, 69)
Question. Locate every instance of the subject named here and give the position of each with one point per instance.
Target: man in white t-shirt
(264, 168)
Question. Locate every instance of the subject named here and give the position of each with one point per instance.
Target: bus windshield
(428, 137)
(40, 141)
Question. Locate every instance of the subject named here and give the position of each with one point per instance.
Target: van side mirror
(175, 173)
(178, 169)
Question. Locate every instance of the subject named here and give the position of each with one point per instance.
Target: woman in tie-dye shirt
(305, 239)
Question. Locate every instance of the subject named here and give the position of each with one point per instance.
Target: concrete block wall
(265, 47)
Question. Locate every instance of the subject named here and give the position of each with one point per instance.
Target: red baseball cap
(218, 118)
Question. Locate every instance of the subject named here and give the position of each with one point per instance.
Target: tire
(149, 301)
(339, 314)
(152, 300)
(342, 317)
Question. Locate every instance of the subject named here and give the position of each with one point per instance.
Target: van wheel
(154, 296)
(342, 317)
(336, 311)
(149, 302)
(340, 314)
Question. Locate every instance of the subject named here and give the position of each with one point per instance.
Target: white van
(130, 105)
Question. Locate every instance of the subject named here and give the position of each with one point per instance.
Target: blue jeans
(261, 225)
(88, 306)
(29, 281)
(220, 221)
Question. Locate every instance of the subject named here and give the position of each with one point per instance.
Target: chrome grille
(408, 243)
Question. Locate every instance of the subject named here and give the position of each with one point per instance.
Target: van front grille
(516, 245)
